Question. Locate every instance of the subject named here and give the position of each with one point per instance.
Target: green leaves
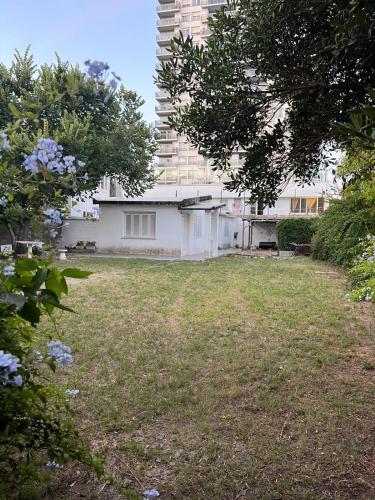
(37, 288)
(75, 273)
(272, 78)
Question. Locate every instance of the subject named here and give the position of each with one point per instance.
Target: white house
(178, 220)
(157, 226)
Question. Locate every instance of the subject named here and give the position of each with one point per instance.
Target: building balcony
(167, 23)
(161, 124)
(166, 136)
(214, 5)
(164, 110)
(163, 54)
(166, 9)
(165, 164)
(162, 96)
(166, 151)
(165, 39)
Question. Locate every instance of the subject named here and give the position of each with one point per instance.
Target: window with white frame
(311, 205)
(140, 225)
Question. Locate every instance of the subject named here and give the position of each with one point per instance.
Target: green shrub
(294, 231)
(361, 276)
(36, 422)
(341, 227)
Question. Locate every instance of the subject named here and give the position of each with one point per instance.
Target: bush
(294, 231)
(341, 227)
(35, 419)
(362, 275)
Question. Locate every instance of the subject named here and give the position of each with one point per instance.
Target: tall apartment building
(179, 162)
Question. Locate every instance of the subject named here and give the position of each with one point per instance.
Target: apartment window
(195, 17)
(195, 2)
(306, 205)
(253, 209)
(186, 31)
(140, 225)
(185, 18)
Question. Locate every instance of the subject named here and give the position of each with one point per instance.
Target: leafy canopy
(101, 126)
(272, 79)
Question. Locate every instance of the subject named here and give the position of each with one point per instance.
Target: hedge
(341, 227)
(294, 231)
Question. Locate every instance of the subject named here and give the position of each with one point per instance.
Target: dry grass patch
(230, 379)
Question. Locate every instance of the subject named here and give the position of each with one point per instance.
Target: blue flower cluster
(60, 352)
(9, 365)
(53, 465)
(48, 156)
(4, 143)
(9, 270)
(72, 392)
(98, 71)
(3, 201)
(151, 493)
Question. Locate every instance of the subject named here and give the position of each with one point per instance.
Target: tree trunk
(12, 235)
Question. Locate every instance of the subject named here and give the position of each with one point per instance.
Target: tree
(272, 78)
(90, 118)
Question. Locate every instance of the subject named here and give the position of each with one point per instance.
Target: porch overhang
(203, 206)
(275, 217)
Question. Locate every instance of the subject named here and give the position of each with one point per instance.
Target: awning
(204, 206)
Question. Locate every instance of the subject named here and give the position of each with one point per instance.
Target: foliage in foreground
(294, 231)
(272, 79)
(35, 420)
(340, 228)
(362, 274)
(91, 114)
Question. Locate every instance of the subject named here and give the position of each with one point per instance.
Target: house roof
(166, 201)
(204, 206)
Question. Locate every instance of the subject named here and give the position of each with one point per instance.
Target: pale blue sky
(120, 32)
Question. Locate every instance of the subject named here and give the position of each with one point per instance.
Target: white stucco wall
(109, 234)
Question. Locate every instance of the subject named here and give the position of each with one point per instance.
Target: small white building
(176, 220)
(163, 226)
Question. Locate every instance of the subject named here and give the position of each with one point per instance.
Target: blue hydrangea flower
(96, 69)
(53, 216)
(53, 465)
(31, 163)
(3, 201)
(153, 493)
(17, 381)
(72, 392)
(9, 365)
(60, 352)
(9, 270)
(64, 360)
(4, 143)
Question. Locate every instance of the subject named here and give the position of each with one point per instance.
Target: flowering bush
(36, 193)
(35, 421)
(362, 274)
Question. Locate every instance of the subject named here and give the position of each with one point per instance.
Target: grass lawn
(229, 379)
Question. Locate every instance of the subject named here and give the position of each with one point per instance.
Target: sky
(119, 32)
